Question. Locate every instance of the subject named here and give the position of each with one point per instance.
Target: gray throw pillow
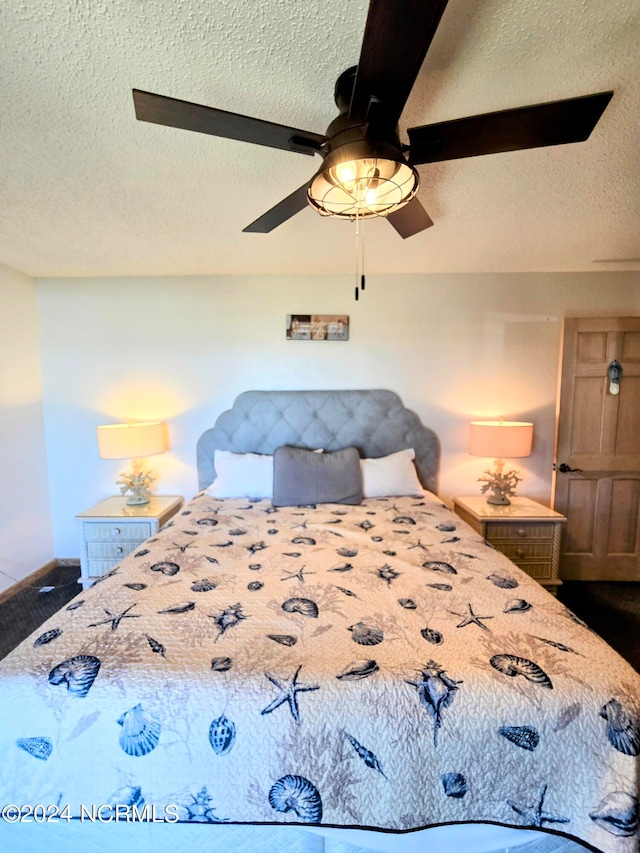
(304, 477)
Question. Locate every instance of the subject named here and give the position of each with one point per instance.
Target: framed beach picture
(317, 327)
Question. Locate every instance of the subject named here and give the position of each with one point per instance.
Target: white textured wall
(453, 346)
(26, 539)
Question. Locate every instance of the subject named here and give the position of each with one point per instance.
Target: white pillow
(391, 475)
(242, 475)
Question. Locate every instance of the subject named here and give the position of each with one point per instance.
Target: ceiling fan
(366, 171)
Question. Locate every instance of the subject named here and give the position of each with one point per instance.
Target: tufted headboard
(375, 422)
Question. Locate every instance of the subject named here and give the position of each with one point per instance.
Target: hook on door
(614, 372)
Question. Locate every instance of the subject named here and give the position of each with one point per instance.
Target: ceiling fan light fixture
(358, 180)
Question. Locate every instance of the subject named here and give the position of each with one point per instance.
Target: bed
(309, 676)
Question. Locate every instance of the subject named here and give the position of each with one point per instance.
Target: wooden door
(599, 438)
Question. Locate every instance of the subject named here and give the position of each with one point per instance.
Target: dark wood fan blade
(555, 123)
(410, 219)
(183, 114)
(396, 39)
(282, 211)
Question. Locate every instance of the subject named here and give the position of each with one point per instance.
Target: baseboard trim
(34, 577)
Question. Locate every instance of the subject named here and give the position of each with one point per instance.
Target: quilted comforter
(374, 666)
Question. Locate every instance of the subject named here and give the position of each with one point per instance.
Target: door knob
(565, 469)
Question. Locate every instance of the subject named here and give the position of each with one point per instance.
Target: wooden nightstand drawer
(110, 550)
(138, 531)
(527, 550)
(514, 530)
(539, 571)
(97, 568)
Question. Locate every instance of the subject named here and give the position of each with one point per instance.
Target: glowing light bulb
(371, 196)
(346, 172)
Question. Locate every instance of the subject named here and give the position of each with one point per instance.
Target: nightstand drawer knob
(119, 549)
(520, 552)
(117, 531)
(522, 531)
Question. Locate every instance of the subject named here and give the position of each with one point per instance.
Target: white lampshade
(129, 441)
(500, 439)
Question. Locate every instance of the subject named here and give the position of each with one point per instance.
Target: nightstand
(112, 529)
(525, 531)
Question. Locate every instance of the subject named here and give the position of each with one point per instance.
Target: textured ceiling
(85, 189)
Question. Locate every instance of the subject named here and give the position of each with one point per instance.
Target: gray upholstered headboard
(375, 422)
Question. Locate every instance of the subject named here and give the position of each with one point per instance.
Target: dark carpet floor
(29, 608)
(610, 609)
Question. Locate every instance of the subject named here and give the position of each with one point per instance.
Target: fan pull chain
(360, 276)
(357, 255)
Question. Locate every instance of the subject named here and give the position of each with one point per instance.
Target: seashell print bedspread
(371, 666)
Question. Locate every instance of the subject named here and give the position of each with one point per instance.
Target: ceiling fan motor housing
(347, 127)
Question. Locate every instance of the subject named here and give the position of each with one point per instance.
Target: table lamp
(500, 439)
(130, 441)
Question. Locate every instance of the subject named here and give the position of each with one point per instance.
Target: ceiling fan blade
(159, 109)
(282, 211)
(396, 39)
(555, 123)
(410, 219)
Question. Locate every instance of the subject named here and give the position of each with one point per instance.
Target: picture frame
(317, 327)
